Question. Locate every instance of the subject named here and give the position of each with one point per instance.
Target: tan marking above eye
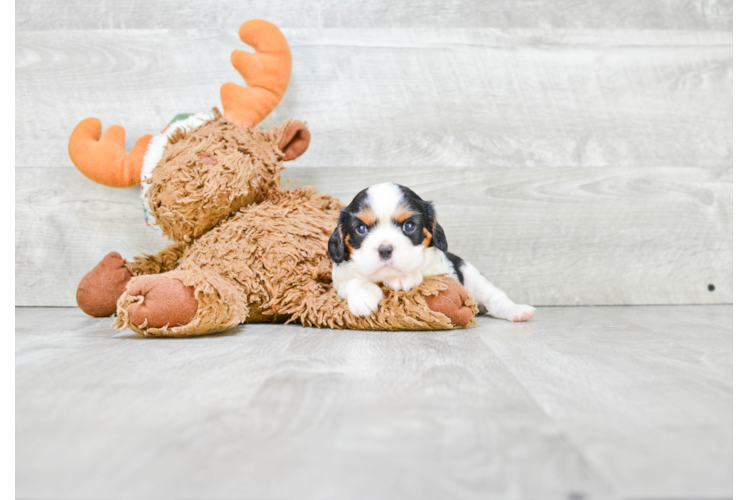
(367, 216)
(402, 214)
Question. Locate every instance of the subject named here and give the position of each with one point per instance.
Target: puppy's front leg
(405, 281)
(362, 295)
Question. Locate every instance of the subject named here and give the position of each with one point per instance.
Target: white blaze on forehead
(384, 200)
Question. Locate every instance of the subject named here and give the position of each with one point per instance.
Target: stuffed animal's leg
(100, 288)
(181, 303)
(164, 261)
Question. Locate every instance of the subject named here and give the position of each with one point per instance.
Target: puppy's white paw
(520, 313)
(365, 300)
(405, 282)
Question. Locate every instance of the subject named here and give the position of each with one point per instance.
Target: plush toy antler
(267, 73)
(104, 159)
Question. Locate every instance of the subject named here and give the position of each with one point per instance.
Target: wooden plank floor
(581, 402)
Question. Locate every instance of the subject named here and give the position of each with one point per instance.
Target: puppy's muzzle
(385, 251)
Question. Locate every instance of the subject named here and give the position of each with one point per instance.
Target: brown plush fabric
(163, 302)
(220, 306)
(188, 196)
(451, 303)
(295, 140)
(100, 288)
(250, 251)
(166, 260)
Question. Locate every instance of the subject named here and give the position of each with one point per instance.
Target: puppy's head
(385, 231)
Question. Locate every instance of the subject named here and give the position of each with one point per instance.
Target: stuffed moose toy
(246, 250)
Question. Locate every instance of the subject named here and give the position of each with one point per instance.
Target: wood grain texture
(62, 224)
(739, 233)
(431, 97)
(547, 236)
(587, 402)
(640, 396)
(579, 152)
(545, 14)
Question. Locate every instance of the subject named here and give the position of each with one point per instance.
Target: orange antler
(104, 159)
(267, 73)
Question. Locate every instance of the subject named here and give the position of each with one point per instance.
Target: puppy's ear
(336, 246)
(438, 239)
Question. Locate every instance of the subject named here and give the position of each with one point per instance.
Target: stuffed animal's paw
(100, 288)
(451, 303)
(165, 302)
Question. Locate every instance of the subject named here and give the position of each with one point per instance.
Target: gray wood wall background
(579, 152)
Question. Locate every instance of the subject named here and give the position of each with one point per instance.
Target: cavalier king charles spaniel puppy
(389, 235)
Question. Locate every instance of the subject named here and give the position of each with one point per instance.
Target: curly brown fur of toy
(209, 173)
(166, 260)
(219, 306)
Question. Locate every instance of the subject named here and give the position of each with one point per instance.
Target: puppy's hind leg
(491, 298)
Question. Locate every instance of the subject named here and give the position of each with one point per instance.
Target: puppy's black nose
(385, 251)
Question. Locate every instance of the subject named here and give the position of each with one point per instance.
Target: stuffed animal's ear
(336, 246)
(295, 140)
(439, 239)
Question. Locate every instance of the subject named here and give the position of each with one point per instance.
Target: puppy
(389, 235)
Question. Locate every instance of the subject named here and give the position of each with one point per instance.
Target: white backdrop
(578, 152)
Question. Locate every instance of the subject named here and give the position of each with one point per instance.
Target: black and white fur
(389, 235)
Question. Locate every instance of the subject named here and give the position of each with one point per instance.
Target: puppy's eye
(362, 229)
(409, 227)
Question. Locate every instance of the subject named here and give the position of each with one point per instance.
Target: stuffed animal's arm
(164, 261)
